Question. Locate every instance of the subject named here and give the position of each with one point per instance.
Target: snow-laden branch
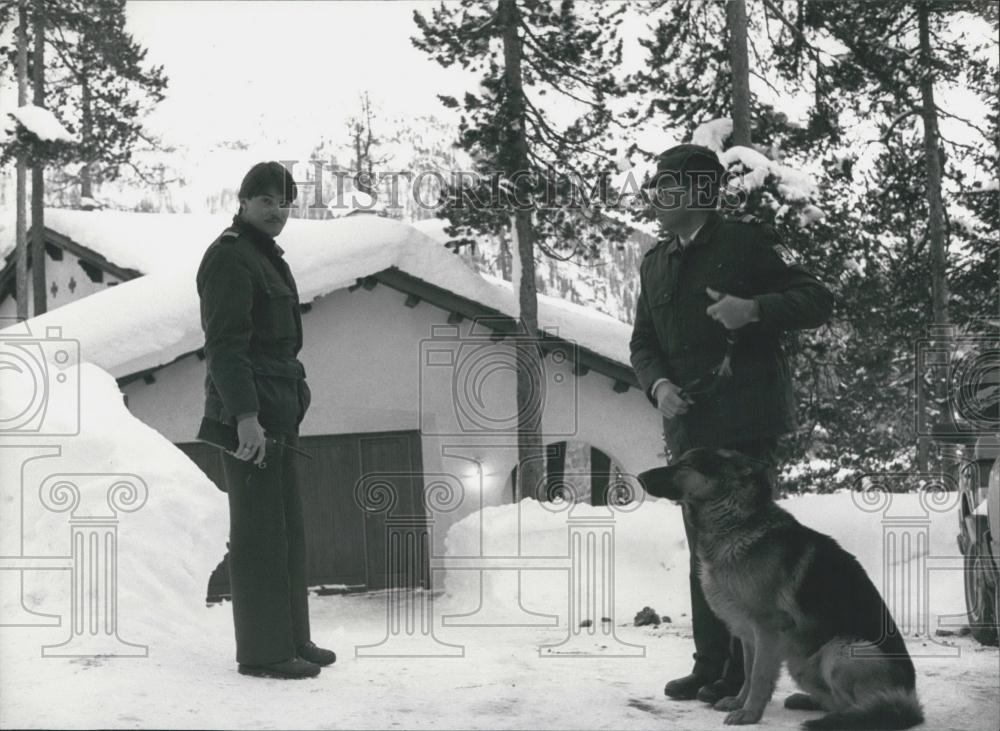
(42, 123)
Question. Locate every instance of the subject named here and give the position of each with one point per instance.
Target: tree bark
(530, 383)
(38, 171)
(21, 226)
(86, 133)
(935, 206)
(736, 23)
(932, 155)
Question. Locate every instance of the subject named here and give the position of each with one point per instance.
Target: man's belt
(225, 437)
(281, 368)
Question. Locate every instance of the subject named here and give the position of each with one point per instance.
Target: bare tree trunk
(38, 171)
(736, 23)
(531, 468)
(935, 205)
(21, 226)
(933, 154)
(506, 265)
(86, 133)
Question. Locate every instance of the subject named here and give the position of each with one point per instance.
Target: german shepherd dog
(791, 595)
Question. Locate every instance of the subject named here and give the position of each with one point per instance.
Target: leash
(717, 377)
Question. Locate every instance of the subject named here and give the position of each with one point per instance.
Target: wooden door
(345, 545)
(396, 540)
(335, 529)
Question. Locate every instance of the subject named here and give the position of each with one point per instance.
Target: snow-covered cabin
(409, 355)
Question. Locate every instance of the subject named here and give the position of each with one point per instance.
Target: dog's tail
(884, 709)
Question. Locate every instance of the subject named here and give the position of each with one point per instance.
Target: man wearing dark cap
(255, 382)
(716, 295)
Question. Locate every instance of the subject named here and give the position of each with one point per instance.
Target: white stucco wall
(363, 356)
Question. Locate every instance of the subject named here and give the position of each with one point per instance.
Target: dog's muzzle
(659, 482)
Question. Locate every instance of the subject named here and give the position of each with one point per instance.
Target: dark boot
(686, 688)
(294, 667)
(732, 676)
(721, 688)
(316, 655)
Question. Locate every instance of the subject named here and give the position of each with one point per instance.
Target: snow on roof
(434, 228)
(150, 321)
(42, 123)
(354, 201)
(148, 242)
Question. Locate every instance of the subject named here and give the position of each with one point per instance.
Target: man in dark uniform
(253, 332)
(716, 295)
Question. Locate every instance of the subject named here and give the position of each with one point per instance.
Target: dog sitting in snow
(791, 595)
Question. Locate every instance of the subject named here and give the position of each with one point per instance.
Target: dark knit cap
(268, 177)
(682, 164)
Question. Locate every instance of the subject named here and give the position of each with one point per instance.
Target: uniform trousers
(267, 555)
(717, 652)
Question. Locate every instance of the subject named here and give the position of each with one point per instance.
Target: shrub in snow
(645, 617)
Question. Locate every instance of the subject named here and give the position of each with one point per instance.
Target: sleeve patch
(785, 254)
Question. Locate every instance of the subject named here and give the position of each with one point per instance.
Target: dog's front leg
(732, 702)
(762, 678)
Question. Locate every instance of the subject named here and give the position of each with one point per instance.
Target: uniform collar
(253, 233)
(700, 236)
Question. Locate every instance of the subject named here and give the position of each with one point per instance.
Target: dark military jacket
(674, 338)
(253, 331)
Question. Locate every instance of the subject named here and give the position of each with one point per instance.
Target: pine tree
(99, 85)
(902, 55)
(526, 49)
(872, 243)
(696, 72)
(93, 80)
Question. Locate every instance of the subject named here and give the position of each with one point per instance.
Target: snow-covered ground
(171, 533)
(502, 682)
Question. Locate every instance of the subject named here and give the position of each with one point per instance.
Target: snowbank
(168, 544)
(650, 563)
(151, 320)
(651, 553)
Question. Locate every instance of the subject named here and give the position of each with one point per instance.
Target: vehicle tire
(980, 597)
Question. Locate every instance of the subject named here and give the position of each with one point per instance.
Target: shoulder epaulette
(230, 233)
(659, 243)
